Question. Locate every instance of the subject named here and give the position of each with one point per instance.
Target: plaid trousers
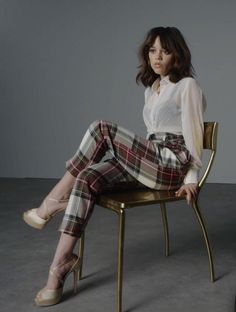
(160, 162)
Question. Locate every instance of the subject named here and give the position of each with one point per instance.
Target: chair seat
(127, 198)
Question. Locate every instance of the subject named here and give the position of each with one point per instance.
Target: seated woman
(169, 158)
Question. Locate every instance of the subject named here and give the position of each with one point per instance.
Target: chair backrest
(209, 142)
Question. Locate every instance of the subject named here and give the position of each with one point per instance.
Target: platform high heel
(32, 218)
(48, 297)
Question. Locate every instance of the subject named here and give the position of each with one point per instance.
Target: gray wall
(66, 63)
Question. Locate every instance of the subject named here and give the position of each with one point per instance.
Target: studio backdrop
(64, 64)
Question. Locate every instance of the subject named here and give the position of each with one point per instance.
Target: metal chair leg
(81, 254)
(166, 229)
(207, 242)
(120, 258)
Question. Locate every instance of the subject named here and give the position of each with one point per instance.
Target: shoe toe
(32, 219)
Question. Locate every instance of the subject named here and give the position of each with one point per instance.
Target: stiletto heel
(76, 272)
(31, 217)
(48, 297)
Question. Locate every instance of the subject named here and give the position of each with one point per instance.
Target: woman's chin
(156, 71)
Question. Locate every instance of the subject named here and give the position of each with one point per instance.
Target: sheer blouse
(178, 108)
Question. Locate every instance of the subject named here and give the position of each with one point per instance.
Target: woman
(169, 157)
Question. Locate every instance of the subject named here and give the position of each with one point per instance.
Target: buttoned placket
(155, 96)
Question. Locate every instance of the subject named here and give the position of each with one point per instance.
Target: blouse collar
(164, 81)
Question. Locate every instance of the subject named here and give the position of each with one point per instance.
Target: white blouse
(178, 108)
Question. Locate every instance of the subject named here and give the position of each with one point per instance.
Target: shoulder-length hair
(173, 42)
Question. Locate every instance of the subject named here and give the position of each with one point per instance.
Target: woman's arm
(192, 107)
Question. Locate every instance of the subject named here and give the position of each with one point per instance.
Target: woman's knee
(100, 124)
(95, 124)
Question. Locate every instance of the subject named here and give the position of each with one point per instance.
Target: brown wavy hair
(173, 42)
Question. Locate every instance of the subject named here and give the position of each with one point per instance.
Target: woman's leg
(92, 149)
(63, 252)
(89, 183)
(100, 137)
(154, 166)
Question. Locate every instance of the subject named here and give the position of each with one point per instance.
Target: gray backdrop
(64, 64)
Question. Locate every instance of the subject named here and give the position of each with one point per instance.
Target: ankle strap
(52, 271)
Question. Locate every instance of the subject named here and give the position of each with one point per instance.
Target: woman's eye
(151, 50)
(162, 51)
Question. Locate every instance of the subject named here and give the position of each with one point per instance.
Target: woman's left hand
(189, 189)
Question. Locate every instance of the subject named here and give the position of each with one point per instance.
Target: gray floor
(152, 282)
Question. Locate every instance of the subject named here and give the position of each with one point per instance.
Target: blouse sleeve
(193, 105)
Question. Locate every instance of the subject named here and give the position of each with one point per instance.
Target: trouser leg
(89, 183)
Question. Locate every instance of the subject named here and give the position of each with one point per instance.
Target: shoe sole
(32, 223)
(47, 302)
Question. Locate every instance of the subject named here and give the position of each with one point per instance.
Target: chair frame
(119, 201)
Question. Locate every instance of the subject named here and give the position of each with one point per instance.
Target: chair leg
(120, 258)
(166, 229)
(207, 242)
(81, 254)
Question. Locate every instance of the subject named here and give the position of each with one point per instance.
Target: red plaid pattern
(160, 163)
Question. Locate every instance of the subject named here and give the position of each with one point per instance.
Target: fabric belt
(158, 136)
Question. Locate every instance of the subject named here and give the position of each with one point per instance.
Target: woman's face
(160, 60)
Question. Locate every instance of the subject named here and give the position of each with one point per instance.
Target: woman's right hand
(190, 189)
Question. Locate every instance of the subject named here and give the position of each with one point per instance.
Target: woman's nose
(158, 55)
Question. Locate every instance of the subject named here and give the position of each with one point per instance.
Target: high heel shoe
(34, 220)
(48, 297)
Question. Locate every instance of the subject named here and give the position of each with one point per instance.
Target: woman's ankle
(49, 206)
(57, 261)
(59, 195)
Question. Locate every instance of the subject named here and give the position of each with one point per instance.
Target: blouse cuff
(191, 176)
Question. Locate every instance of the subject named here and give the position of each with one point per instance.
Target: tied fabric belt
(167, 137)
(175, 142)
(158, 136)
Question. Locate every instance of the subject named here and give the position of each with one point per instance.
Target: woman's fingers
(178, 193)
(189, 190)
(189, 196)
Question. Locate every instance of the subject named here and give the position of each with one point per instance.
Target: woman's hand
(189, 189)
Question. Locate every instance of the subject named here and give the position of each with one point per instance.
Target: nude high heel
(48, 297)
(32, 218)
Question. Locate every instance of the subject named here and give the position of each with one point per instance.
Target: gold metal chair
(120, 200)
